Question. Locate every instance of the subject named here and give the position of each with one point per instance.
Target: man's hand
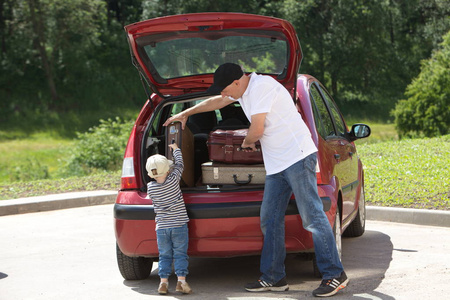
(255, 132)
(248, 147)
(181, 117)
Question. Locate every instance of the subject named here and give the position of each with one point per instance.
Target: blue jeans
(172, 247)
(300, 179)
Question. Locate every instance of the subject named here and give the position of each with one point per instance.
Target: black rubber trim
(206, 210)
(350, 187)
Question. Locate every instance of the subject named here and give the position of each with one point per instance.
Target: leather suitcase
(185, 140)
(225, 146)
(214, 173)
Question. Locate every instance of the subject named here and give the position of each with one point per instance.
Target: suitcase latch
(228, 149)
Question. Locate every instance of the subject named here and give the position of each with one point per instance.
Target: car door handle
(337, 156)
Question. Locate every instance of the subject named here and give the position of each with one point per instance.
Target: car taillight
(128, 177)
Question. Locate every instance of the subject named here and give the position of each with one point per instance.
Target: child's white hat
(157, 165)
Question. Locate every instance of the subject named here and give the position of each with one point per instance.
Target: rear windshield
(179, 54)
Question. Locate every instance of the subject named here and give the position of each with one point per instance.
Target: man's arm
(209, 104)
(255, 131)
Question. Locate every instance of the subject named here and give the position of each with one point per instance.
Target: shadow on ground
(365, 259)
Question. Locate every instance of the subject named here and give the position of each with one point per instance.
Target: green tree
(366, 52)
(427, 109)
(159, 8)
(68, 61)
(46, 45)
(65, 64)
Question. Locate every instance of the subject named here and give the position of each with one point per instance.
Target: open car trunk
(201, 170)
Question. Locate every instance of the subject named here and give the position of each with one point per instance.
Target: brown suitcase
(225, 146)
(214, 173)
(185, 140)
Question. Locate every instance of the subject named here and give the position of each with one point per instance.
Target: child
(171, 218)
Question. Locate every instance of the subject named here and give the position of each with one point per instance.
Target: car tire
(133, 268)
(338, 239)
(358, 225)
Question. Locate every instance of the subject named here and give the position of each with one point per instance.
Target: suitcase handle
(248, 148)
(242, 182)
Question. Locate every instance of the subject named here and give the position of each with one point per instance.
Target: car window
(177, 108)
(179, 54)
(322, 118)
(340, 126)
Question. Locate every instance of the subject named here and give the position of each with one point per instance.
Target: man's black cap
(224, 76)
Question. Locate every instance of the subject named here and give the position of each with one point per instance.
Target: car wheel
(133, 268)
(338, 240)
(358, 225)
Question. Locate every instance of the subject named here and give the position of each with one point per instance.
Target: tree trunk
(38, 28)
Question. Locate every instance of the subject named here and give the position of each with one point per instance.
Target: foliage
(61, 59)
(411, 173)
(42, 156)
(65, 64)
(397, 173)
(427, 109)
(366, 52)
(101, 148)
(101, 180)
(31, 158)
(29, 169)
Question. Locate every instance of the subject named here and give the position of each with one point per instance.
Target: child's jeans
(172, 247)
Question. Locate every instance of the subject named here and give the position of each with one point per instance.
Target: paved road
(70, 254)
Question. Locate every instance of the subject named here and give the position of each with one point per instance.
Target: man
(290, 161)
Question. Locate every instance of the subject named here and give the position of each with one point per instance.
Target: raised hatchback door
(179, 54)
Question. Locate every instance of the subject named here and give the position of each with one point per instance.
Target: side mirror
(359, 131)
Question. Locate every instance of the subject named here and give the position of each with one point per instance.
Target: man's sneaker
(163, 288)
(183, 287)
(263, 286)
(331, 286)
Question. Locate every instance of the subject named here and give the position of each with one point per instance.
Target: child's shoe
(163, 288)
(183, 287)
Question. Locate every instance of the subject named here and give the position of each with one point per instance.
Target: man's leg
(273, 210)
(302, 177)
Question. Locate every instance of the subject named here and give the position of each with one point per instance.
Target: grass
(39, 156)
(31, 166)
(411, 173)
(399, 173)
(98, 181)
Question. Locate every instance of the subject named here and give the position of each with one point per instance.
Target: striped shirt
(167, 198)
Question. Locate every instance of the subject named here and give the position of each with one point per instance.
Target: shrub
(426, 111)
(28, 170)
(101, 147)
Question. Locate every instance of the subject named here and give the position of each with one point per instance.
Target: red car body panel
(216, 237)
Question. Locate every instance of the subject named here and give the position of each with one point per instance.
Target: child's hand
(173, 146)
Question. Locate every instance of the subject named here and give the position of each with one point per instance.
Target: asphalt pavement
(70, 254)
(80, 199)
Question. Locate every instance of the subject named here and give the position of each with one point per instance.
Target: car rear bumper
(216, 229)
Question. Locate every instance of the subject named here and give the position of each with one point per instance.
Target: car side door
(331, 127)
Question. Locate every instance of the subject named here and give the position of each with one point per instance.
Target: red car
(176, 57)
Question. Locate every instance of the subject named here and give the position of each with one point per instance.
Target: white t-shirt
(286, 138)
